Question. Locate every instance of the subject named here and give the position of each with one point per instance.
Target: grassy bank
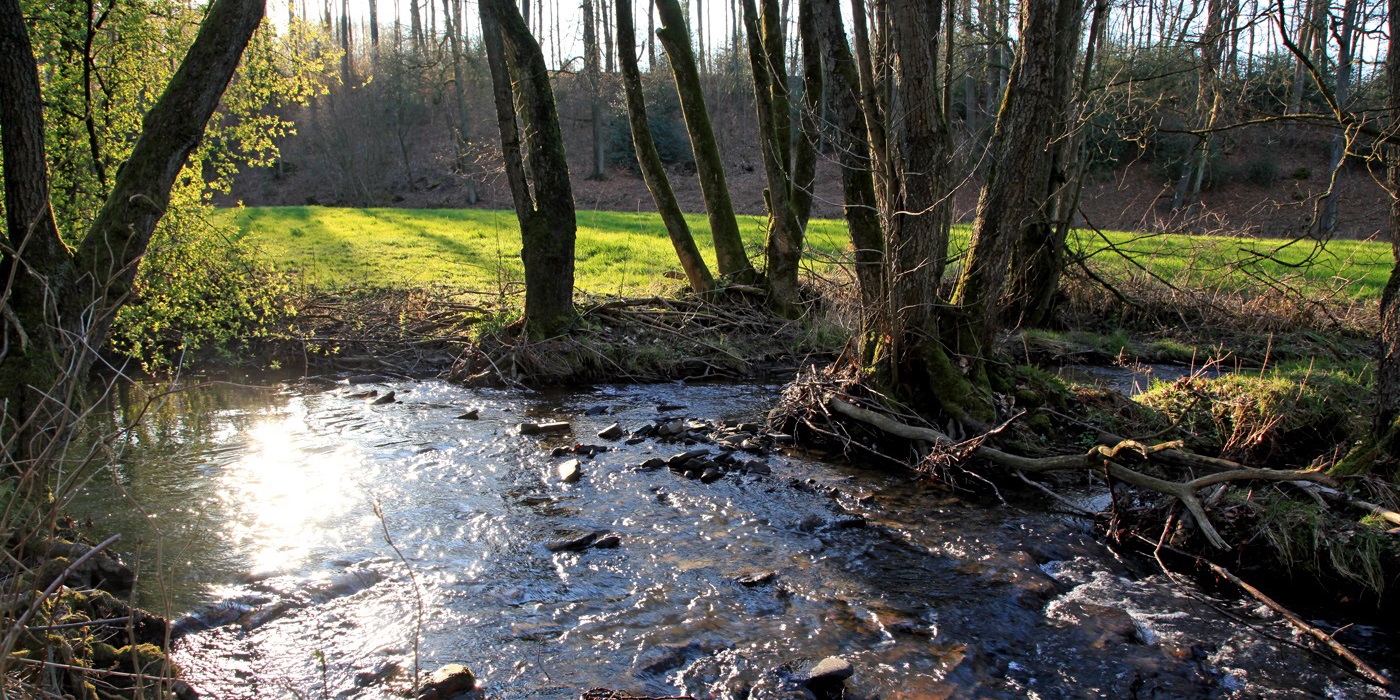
(627, 253)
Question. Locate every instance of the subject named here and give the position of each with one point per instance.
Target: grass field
(627, 253)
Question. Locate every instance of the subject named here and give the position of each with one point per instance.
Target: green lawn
(622, 253)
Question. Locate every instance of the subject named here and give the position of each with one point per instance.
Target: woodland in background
(1183, 131)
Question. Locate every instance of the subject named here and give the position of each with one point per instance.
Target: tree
(649, 159)
(789, 166)
(724, 227)
(59, 303)
(1013, 208)
(546, 210)
(592, 70)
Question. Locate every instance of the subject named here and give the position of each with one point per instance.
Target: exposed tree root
(1098, 458)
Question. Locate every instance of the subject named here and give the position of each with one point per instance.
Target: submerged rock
(752, 580)
(385, 399)
(596, 410)
(573, 543)
(473, 414)
(652, 464)
(607, 542)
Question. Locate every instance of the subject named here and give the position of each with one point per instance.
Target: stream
(250, 515)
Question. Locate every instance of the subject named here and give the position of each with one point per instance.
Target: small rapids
(250, 513)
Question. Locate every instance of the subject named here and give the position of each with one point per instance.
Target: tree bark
(1013, 202)
(724, 227)
(1040, 255)
(592, 69)
(547, 222)
(1388, 362)
(773, 106)
(649, 160)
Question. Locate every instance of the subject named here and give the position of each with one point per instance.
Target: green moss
(1284, 416)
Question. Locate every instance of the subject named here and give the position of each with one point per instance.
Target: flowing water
(250, 512)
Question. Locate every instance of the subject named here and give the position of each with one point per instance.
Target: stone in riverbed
(576, 542)
(569, 471)
(473, 414)
(752, 580)
(543, 428)
(671, 428)
(607, 542)
(669, 407)
(448, 681)
(757, 466)
(827, 677)
(679, 460)
(385, 399)
(367, 379)
(596, 410)
(711, 474)
(560, 451)
(612, 432)
(652, 464)
(635, 440)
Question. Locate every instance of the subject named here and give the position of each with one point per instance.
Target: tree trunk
(649, 160)
(60, 306)
(773, 106)
(1013, 201)
(1337, 151)
(547, 222)
(1388, 363)
(857, 178)
(871, 105)
(415, 18)
(729, 245)
(595, 103)
(1039, 262)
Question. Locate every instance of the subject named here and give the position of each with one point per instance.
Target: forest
(683, 349)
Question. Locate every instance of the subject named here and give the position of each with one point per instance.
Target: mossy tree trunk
(1014, 201)
(58, 304)
(709, 166)
(546, 211)
(649, 159)
(773, 105)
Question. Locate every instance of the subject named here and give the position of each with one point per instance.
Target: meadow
(620, 253)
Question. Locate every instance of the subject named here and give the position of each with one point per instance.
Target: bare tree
(649, 160)
(546, 212)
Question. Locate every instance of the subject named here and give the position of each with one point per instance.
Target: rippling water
(257, 504)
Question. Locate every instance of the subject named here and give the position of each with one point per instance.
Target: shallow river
(258, 504)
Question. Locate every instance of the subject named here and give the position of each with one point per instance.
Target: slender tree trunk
(649, 160)
(651, 37)
(773, 106)
(729, 245)
(1013, 202)
(1337, 151)
(1388, 364)
(871, 105)
(595, 102)
(839, 71)
(415, 19)
(1209, 102)
(547, 222)
(374, 26)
